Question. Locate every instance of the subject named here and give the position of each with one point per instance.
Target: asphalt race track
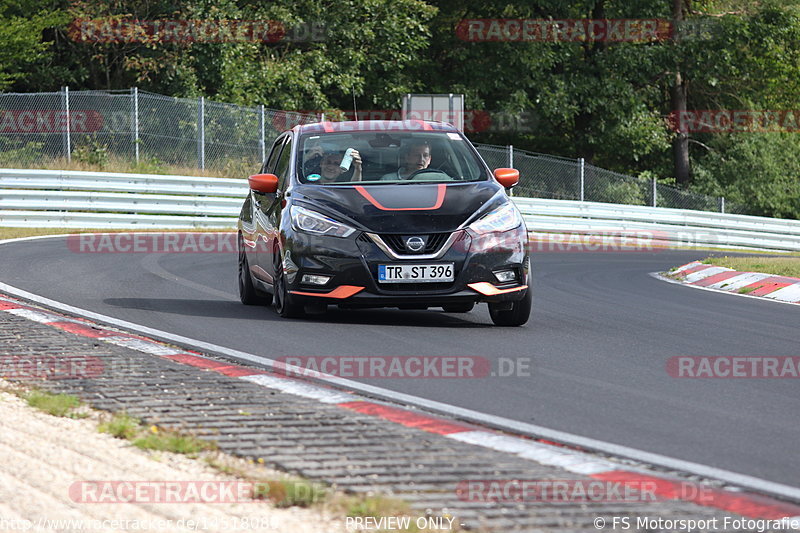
(599, 339)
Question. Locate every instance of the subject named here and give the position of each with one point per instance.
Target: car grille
(415, 287)
(397, 244)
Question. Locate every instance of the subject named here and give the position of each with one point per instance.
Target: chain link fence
(138, 127)
(154, 131)
(561, 178)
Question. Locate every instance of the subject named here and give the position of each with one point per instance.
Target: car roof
(375, 125)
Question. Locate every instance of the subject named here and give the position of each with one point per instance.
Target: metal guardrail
(662, 226)
(71, 199)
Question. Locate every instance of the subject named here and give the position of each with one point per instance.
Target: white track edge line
(743, 480)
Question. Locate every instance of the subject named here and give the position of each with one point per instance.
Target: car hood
(402, 208)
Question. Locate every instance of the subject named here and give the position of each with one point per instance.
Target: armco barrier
(71, 199)
(672, 227)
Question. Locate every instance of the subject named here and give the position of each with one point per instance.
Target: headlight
(312, 222)
(504, 218)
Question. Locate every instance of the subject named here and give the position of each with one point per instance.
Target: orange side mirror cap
(263, 183)
(507, 177)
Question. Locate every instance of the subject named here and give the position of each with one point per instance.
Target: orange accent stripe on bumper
(340, 292)
(487, 289)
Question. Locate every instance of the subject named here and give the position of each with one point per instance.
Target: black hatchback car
(382, 214)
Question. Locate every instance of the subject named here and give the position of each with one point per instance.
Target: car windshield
(385, 158)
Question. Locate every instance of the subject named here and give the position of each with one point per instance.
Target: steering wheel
(423, 170)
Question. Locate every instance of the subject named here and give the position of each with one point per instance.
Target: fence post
(509, 160)
(655, 192)
(67, 146)
(135, 121)
(261, 140)
(201, 133)
(583, 177)
(722, 204)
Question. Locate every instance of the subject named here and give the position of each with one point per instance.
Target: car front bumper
(352, 265)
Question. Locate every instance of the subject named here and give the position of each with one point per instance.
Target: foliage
(11, 153)
(91, 152)
(618, 191)
(761, 170)
(121, 426)
(54, 404)
(172, 441)
(607, 102)
(21, 25)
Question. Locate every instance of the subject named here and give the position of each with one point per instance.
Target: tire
(519, 313)
(459, 308)
(285, 305)
(248, 293)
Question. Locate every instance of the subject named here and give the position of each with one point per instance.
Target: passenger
(329, 170)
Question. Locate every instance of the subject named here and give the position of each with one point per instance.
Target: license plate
(415, 273)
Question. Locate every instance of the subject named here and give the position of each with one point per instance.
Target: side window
(269, 164)
(282, 169)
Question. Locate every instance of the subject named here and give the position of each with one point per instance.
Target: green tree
(22, 23)
(759, 170)
(598, 100)
(365, 55)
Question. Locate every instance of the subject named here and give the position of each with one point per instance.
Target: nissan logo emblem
(415, 244)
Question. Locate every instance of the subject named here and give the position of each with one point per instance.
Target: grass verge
(123, 426)
(234, 169)
(64, 405)
(779, 266)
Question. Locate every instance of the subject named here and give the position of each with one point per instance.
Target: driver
(415, 156)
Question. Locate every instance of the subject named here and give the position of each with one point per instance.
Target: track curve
(599, 339)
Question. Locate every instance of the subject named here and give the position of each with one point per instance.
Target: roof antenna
(355, 109)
